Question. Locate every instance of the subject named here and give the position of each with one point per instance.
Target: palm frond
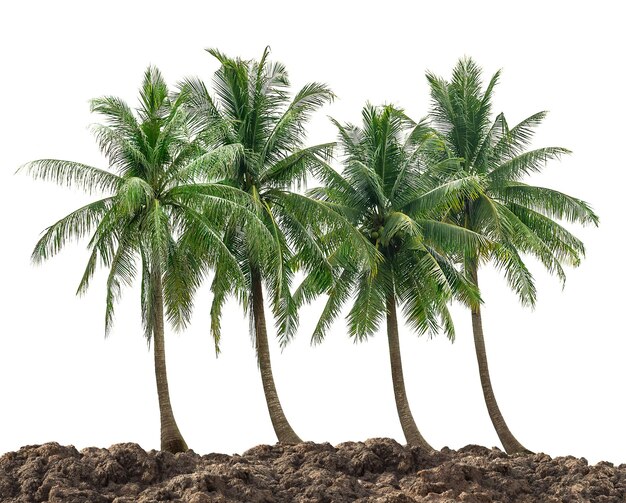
(368, 310)
(122, 272)
(526, 163)
(72, 174)
(338, 294)
(452, 239)
(292, 171)
(506, 258)
(216, 164)
(74, 226)
(182, 277)
(552, 203)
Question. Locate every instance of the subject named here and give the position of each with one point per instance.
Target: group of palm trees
(205, 183)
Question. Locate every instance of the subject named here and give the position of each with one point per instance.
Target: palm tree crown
(517, 216)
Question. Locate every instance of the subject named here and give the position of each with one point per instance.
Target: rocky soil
(377, 470)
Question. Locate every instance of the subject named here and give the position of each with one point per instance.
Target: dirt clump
(375, 471)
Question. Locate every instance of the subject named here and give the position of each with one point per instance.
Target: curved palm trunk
(509, 442)
(171, 438)
(411, 433)
(282, 428)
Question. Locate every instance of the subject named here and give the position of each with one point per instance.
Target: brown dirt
(375, 471)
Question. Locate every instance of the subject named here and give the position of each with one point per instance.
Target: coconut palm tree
(518, 218)
(252, 107)
(389, 200)
(155, 219)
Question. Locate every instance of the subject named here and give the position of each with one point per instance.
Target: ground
(378, 470)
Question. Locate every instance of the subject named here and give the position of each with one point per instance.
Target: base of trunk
(174, 445)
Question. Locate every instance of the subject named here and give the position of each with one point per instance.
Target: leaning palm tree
(155, 219)
(384, 193)
(518, 218)
(252, 108)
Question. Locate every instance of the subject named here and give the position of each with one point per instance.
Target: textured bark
(171, 438)
(509, 442)
(282, 428)
(411, 433)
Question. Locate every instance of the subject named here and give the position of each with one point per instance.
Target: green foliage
(199, 181)
(394, 205)
(517, 218)
(252, 108)
(162, 214)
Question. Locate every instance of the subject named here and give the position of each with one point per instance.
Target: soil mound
(378, 470)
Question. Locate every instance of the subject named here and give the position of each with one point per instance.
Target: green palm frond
(551, 203)
(126, 154)
(368, 310)
(450, 194)
(562, 244)
(74, 226)
(366, 182)
(121, 273)
(134, 195)
(147, 296)
(203, 240)
(284, 306)
(338, 294)
(454, 284)
(529, 242)
(203, 112)
(305, 209)
(524, 164)
(72, 174)
(452, 239)
(515, 140)
(292, 171)
(286, 134)
(506, 258)
(216, 164)
(397, 222)
(351, 138)
(119, 116)
(423, 293)
(303, 235)
(183, 276)
(153, 97)
(220, 287)
(231, 84)
(102, 244)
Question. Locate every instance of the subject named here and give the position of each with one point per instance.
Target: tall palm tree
(253, 108)
(517, 217)
(389, 200)
(155, 220)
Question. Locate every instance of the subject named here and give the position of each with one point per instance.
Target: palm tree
(155, 219)
(518, 218)
(389, 200)
(252, 108)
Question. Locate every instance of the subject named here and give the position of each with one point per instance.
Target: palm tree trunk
(282, 428)
(509, 442)
(411, 433)
(171, 438)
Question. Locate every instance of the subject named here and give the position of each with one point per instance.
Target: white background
(558, 371)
